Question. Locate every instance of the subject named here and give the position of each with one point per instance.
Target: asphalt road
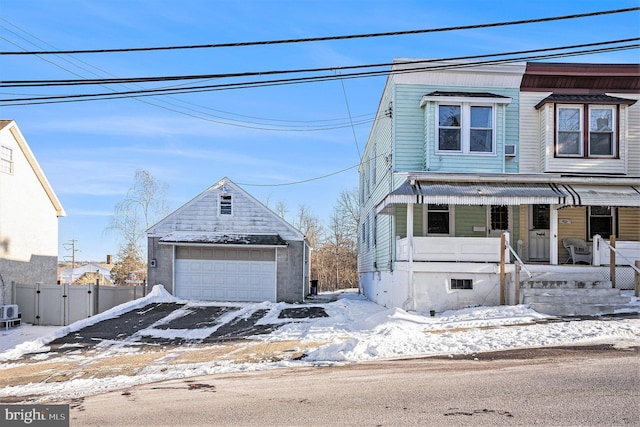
(559, 387)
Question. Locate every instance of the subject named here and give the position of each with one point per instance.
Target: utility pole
(71, 245)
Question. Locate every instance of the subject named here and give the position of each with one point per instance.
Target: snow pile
(355, 330)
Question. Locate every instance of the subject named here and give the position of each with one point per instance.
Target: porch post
(553, 239)
(410, 284)
(410, 230)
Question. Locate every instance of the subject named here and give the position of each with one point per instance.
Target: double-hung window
(586, 131)
(466, 128)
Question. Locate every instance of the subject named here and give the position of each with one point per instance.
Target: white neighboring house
(29, 212)
(69, 275)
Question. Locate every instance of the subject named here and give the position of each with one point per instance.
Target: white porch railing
(627, 251)
(450, 249)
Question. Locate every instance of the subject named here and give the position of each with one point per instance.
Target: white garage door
(223, 274)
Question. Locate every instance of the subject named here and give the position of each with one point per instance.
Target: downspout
(173, 271)
(504, 138)
(304, 263)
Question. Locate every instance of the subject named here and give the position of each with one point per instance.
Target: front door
(539, 235)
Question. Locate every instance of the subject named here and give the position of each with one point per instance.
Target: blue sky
(91, 150)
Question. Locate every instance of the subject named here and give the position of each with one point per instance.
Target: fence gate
(61, 305)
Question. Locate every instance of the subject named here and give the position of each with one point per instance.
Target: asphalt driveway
(172, 324)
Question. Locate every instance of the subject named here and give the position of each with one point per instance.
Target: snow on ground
(355, 330)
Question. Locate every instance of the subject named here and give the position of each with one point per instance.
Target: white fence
(61, 305)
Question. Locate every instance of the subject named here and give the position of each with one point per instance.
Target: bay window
(586, 131)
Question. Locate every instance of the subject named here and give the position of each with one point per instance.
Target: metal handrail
(519, 260)
(629, 262)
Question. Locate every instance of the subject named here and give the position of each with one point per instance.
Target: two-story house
(461, 154)
(29, 212)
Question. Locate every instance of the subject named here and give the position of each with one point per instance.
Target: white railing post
(597, 244)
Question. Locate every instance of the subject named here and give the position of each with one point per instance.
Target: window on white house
(601, 221)
(601, 135)
(569, 131)
(461, 284)
(593, 124)
(465, 128)
(438, 219)
(6, 160)
(226, 207)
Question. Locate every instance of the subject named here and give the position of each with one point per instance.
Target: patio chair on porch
(578, 250)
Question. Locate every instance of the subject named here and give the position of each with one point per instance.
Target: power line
(123, 80)
(188, 109)
(328, 38)
(328, 77)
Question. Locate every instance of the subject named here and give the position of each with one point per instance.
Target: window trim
(425, 219)
(614, 131)
(585, 131)
(465, 128)
(614, 221)
(223, 204)
(464, 284)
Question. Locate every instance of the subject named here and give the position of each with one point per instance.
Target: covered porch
(461, 218)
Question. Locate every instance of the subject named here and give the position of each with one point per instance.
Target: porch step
(564, 301)
(560, 280)
(579, 310)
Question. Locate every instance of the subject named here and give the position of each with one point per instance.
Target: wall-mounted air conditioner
(509, 150)
(9, 311)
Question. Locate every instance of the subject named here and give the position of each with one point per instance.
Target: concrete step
(565, 284)
(570, 291)
(576, 299)
(579, 309)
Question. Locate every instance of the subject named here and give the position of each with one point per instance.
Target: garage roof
(223, 239)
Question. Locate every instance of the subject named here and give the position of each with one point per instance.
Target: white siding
(249, 216)
(537, 141)
(28, 219)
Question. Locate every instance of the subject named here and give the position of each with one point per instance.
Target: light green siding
(403, 140)
(467, 217)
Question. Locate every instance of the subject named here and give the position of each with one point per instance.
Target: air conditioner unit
(509, 150)
(9, 311)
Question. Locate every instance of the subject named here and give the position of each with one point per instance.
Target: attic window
(6, 160)
(225, 204)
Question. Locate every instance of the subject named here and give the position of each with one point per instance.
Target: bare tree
(309, 225)
(336, 258)
(281, 209)
(349, 208)
(144, 204)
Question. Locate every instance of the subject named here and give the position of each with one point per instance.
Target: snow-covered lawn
(355, 330)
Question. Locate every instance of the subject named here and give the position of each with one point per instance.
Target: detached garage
(224, 245)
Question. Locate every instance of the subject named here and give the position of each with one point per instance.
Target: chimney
(108, 259)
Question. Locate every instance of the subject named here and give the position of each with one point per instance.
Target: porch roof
(502, 193)
(467, 193)
(603, 195)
